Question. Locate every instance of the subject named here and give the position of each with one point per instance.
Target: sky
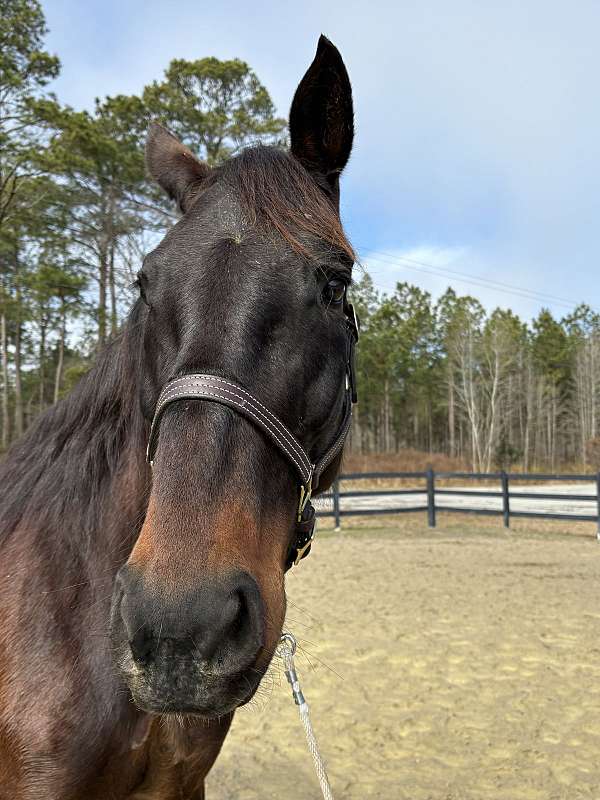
(476, 161)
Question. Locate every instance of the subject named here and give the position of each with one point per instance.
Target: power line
(474, 280)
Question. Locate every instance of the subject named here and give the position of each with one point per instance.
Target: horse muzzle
(198, 653)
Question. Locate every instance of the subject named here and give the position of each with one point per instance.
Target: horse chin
(160, 692)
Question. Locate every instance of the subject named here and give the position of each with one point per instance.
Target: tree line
(446, 376)
(77, 214)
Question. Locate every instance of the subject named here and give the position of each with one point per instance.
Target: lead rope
(287, 650)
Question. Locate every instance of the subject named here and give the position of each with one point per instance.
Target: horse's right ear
(173, 166)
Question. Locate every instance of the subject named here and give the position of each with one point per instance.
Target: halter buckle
(305, 494)
(300, 551)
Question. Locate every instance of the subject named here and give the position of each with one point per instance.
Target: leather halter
(220, 390)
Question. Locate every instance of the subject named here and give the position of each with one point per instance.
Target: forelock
(278, 193)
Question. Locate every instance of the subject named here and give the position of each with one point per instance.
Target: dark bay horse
(139, 607)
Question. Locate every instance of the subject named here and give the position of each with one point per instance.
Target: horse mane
(277, 192)
(58, 473)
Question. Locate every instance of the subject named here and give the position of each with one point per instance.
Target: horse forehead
(232, 281)
(216, 230)
(216, 214)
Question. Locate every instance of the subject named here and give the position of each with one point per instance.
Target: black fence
(338, 504)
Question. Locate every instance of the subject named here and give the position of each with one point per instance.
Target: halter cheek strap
(220, 390)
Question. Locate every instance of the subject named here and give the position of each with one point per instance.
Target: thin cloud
(478, 124)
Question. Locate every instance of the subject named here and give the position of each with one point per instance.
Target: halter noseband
(219, 390)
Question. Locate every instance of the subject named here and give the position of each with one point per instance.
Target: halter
(219, 390)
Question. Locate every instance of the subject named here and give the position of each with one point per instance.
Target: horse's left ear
(322, 117)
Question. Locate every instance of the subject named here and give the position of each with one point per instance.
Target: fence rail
(344, 503)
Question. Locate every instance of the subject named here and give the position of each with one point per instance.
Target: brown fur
(144, 759)
(78, 504)
(174, 559)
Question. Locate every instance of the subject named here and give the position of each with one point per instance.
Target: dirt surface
(460, 664)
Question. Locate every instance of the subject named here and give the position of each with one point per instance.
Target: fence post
(598, 506)
(505, 499)
(431, 497)
(336, 504)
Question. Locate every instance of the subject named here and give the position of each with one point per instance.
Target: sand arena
(460, 664)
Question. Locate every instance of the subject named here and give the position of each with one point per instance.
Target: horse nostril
(245, 627)
(233, 608)
(131, 611)
(231, 631)
(141, 645)
(242, 619)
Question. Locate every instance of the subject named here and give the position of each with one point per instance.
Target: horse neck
(77, 481)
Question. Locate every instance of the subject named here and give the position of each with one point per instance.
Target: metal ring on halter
(290, 641)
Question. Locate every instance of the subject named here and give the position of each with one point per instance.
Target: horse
(142, 603)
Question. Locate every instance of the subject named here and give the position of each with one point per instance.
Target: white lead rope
(287, 649)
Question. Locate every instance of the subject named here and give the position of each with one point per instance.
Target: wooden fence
(343, 503)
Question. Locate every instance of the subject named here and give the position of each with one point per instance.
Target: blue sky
(477, 155)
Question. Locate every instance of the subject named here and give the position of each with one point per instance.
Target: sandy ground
(460, 664)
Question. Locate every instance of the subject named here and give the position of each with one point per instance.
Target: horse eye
(334, 292)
